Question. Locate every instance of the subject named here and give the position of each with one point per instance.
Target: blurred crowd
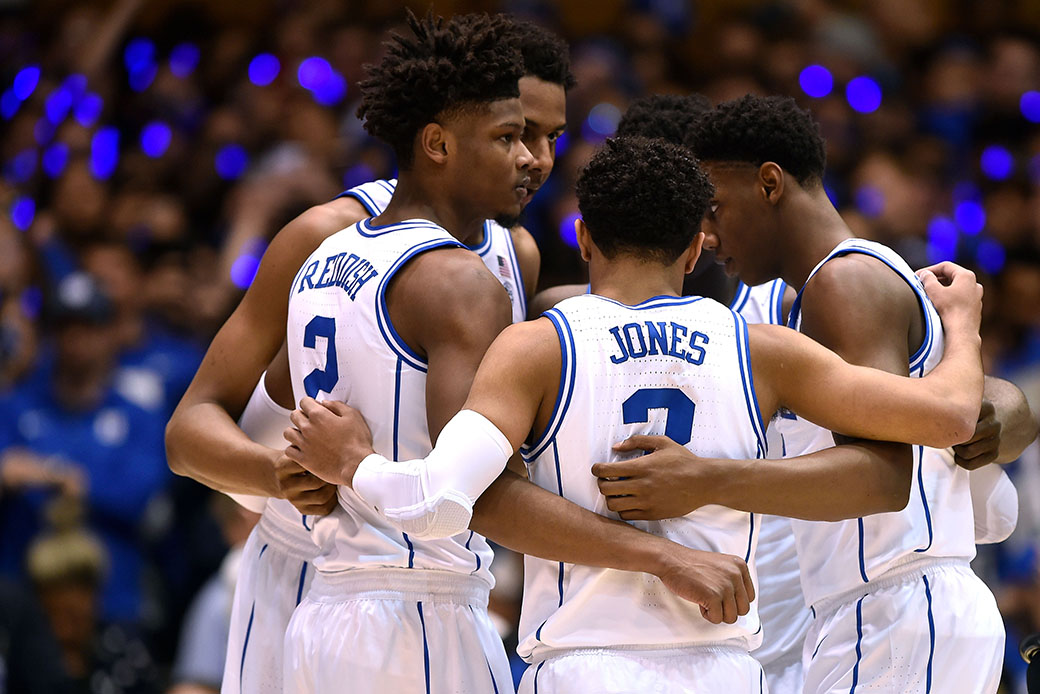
(151, 150)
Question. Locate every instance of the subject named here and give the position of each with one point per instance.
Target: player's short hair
(757, 129)
(443, 67)
(643, 197)
(546, 55)
(670, 117)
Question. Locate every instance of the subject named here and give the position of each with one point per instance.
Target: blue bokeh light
(58, 104)
(231, 162)
(104, 152)
(76, 84)
(25, 82)
(23, 210)
(870, 201)
(1029, 104)
(332, 91)
(31, 302)
(970, 216)
(88, 109)
(243, 270)
(567, 232)
(603, 119)
(816, 81)
(562, 143)
(942, 239)
(55, 158)
(966, 190)
(263, 69)
(155, 139)
(863, 95)
(314, 72)
(358, 174)
(184, 58)
(143, 78)
(9, 104)
(43, 131)
(1034, 169)
(991, 256)
(22, 166)
(138, 55)
(996, 162)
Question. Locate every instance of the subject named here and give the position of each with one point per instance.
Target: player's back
(937, 521)
(670, 365)
(343, 346)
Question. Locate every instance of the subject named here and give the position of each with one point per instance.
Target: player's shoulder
(523, 242)
(451, 281)
(857, 281)
(317, 223)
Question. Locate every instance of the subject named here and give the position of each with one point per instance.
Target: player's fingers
(977, 447)
(618, 504)
(745, 575)
(711, 610)
(309, 405)
(641, 442)
(293, 436)
(298, 418)
(729, 608)
(612, 487)
(976, 462)
(638, 515)
(619, 468)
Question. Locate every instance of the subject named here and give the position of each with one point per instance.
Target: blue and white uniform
(671, 365)
(276, 568)
(781, 606)
(886, 588)
(384, 612)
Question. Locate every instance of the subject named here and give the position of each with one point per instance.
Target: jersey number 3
(677, 405)
(321, 379)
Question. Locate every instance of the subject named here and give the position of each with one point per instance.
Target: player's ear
(584, 239)
(693, 252)
(434, 143)
(771, 182)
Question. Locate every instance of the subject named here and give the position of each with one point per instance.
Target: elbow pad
(432, 497)
(263, 420)
(994, 501)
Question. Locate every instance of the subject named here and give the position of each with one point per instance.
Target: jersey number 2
(677, 405)
(321, 379)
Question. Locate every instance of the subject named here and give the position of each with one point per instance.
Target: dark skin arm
(203, 440)
(528, 257)
(1006, 426)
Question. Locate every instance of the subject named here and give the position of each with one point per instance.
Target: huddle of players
(387, 587)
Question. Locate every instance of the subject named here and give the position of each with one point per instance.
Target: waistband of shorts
(419, 585)
(296, 545)
(903, 572)
(731, 646)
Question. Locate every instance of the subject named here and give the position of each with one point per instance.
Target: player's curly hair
(670, 117)
(444, 66)
(757, 129)
(644, 197)
(546, 55)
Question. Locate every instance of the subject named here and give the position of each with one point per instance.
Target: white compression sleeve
(433, 497)
(263, 420)
(994, 500)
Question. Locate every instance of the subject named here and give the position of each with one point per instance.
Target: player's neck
(814, 228)
(415, 198)
(632, 281)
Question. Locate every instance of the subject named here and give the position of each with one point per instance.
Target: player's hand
(984, 446)
(329, 439)
(310, 495)
(955, 294)
(669, 482)
(719, 583)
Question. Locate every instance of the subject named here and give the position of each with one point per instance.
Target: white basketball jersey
(495, 249)
(343, 346)
(671, 365)
(781, 606)
(937, 522)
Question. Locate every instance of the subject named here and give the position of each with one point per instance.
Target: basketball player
(394, 314)
(636, 356)
(203, 440)
(884, 589)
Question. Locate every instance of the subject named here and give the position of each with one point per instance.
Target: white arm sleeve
(433, 497)
(263, 420)
(995, 503)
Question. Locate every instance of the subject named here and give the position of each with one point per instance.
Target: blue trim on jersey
(491, 672)
(262, 550)
(653, 302)
(780, 288)
(565, 391)
(750, 538)
(425, 647)
(475, 555)
(386, 326)
(303, 519)
(862, 560)
(750, 399)
(361, 196)
(485, 245)
(245, 643)
(741, 297)
(388, 184)
(536, 676)
(924, 497)
(859, 644)
(518, 276)
(397, 407)
(370, 230)
(931, 634)
(411, 550)
(761, 678)
(813, 656)
(299, 589)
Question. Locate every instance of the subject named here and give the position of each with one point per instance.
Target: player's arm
(202, 438)
(1005, 427)
(547, 298)
(528, 257)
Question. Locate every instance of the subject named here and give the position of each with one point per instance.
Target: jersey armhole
(566, 389)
